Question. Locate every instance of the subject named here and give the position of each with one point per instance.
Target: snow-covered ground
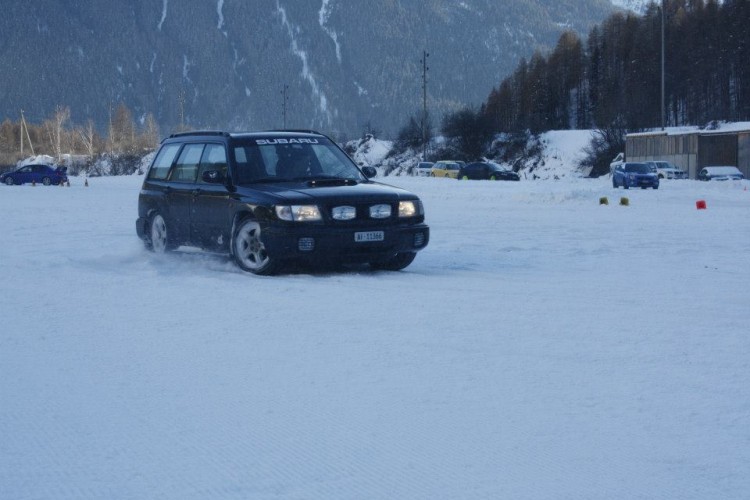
(543, 346)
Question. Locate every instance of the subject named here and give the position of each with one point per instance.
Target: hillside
(349, 65)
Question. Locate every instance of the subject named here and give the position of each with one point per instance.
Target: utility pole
(285, 100)
(425, 68)
(25, 128)
(663, 109)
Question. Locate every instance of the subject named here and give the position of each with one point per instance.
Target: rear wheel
(159, 235)
(614, 183)
(395, 263)
(248, 249)
(9, 180)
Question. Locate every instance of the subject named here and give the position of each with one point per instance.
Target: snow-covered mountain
(637, 6)
(349, 65)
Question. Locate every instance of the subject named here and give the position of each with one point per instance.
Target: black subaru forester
(270, 198)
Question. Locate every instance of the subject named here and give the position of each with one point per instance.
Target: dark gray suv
(269, 198)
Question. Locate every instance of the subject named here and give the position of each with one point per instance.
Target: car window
(186, 168)
(163, 161)
(214, 158)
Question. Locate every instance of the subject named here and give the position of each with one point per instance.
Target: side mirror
(213, 177)
(369, 172)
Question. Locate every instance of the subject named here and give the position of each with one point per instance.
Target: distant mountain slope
(348, 64)
(637, 6)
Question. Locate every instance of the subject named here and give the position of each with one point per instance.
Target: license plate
(369, 236)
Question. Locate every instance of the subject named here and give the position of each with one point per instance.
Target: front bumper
(326, 243)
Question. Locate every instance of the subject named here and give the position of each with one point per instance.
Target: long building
(692, 150)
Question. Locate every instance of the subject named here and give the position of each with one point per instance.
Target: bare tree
(55, 130)
(87, 136)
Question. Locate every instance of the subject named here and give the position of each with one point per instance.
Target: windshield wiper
(330, 180)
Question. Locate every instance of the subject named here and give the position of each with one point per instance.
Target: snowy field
(542, 347)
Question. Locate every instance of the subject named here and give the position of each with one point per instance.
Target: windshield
(291, 159)
(498, 167)
(638, 168)
(666, 164)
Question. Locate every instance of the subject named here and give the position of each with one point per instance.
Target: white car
(666, 170)
(423, 169)
(723, 173)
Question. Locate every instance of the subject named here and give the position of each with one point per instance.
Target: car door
(24, 175)
(180, 190)
(210, 215)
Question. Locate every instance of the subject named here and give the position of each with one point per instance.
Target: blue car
(632, 174)
(41, 174)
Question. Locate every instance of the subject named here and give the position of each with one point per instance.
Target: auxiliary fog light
(306, 244)
(344, 213)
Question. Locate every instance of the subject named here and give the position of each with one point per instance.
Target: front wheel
(248, 249)
(46, 181)
(9, 180)
(395, 263)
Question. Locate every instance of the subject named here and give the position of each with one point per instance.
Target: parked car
(631, 174)
(41, 174)
(667, 170)
(446, 168)
(423, 169)
(274, 197)
(723, 173)
(487, 170)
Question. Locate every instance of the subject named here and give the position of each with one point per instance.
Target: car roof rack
(297, 131)
(199, 132)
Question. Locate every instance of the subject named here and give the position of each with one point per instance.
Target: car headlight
(298, 213)
(410, 208)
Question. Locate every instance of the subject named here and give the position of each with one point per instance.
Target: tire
(656, 187)
(248, 250)
(395, 263)
(159, 238)
(614, 184)
(625, 184)
(9, 181)
(46, 181)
